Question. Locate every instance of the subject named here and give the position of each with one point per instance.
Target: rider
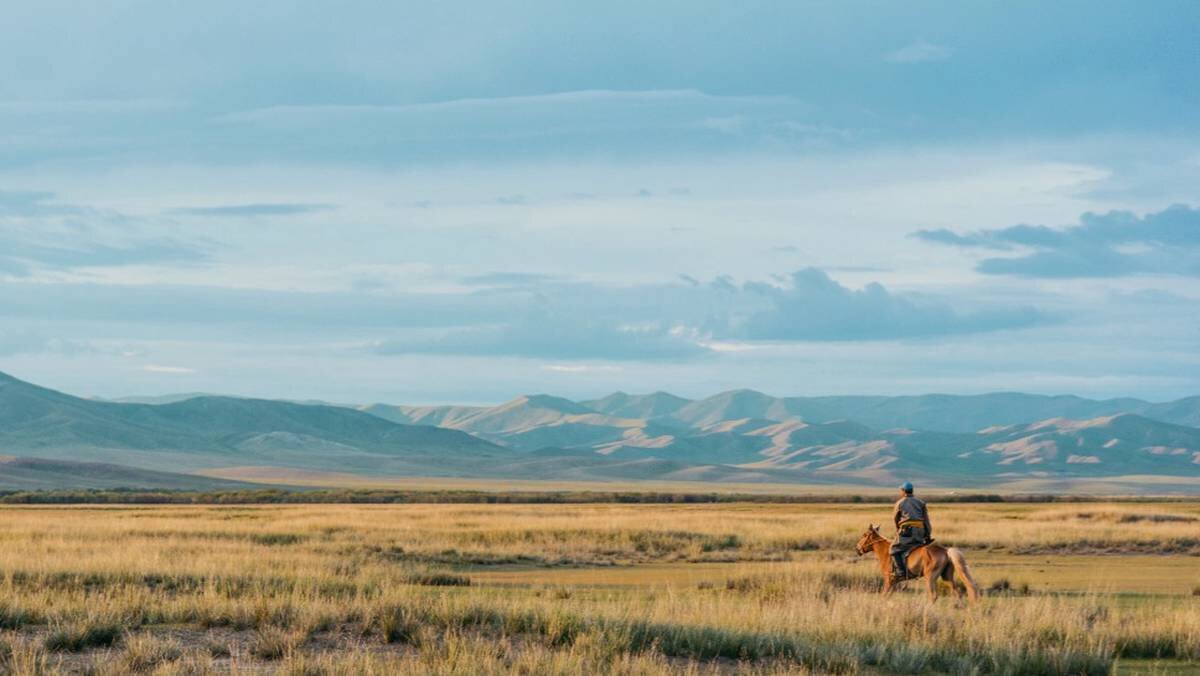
(912, 528)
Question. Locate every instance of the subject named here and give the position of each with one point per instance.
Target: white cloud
(176, 370)
(581, 368)
(920, 51)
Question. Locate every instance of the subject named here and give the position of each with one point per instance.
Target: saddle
(907, 573)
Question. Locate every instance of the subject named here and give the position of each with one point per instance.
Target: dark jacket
(909, 508)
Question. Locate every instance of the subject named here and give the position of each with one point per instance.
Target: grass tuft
(277, 539)
(438, 579)
(273, 644)
(82, 636)
(143, 652)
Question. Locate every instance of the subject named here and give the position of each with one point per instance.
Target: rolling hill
(646, 406)
(739, 436)
(935, 412)
(968, 440)
(31, 474)
(206, 432)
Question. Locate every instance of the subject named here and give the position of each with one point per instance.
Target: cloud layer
(1114, 244)
(675, 321)
(540, 318)
(814, 307)
(38, 232)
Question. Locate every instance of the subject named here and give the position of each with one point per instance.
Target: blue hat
(907, 487)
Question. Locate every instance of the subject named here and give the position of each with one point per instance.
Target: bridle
(863, 548)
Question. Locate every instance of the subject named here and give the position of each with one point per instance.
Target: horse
(930, 561)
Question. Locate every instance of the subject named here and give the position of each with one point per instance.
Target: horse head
(868, 539)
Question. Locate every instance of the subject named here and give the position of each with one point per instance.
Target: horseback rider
(912, 529)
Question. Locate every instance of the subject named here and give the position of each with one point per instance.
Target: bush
(273, 644)
(397, 625)
(438, 580)
(276, 539)
(143, 653)
(82, 636)
(1004, 587)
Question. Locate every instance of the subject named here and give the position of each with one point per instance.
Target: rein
(871, 543)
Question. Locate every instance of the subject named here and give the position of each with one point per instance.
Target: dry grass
(420, 588)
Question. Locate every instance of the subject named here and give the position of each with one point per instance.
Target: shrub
(436, 579)
(144, 652)
(397, 625)
(82, 636)
(273, 644)
(276, 539)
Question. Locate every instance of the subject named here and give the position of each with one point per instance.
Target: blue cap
(907, 487)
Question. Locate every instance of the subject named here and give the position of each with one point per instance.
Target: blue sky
(467, 201)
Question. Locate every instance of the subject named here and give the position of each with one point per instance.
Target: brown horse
(930, 561)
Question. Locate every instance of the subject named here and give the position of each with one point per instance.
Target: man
(912, 529)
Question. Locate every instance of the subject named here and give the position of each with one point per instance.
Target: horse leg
(948, 576)
(960, 590)
(932, 572)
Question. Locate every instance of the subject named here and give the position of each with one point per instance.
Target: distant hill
(960, 440)
(742, 436)
(436, 416)
(934, 412)
(31, 474)
(621, 405)
(157, 398)
(206, 432)
(525, 423)
(1181, 412)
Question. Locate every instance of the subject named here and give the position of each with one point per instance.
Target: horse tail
(963, 572)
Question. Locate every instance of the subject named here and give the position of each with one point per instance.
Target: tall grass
(369, 589)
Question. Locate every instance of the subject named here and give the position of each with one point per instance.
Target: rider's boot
(899, 569)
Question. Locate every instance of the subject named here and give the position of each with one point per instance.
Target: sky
(464, 201)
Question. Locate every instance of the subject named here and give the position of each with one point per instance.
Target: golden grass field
(566, 589)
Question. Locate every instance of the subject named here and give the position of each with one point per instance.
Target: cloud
(21, 255)
(27, 203)
(919, 52)
(236, 309)
(812, 306)
(17, 342)
(508, 279)
(528, 316)
(358, 132)
(689, 319)
(581, 368)
(38, 232)
(172, 370)
(1115, 244)
(258, 209)
(545, 336)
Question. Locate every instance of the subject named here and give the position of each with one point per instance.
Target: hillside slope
(220, 431)
(935, 412)
(31, 474)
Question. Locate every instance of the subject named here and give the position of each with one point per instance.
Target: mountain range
(749, 436)
(738, 436)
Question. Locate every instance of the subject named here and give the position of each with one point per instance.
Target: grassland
(566, 589)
